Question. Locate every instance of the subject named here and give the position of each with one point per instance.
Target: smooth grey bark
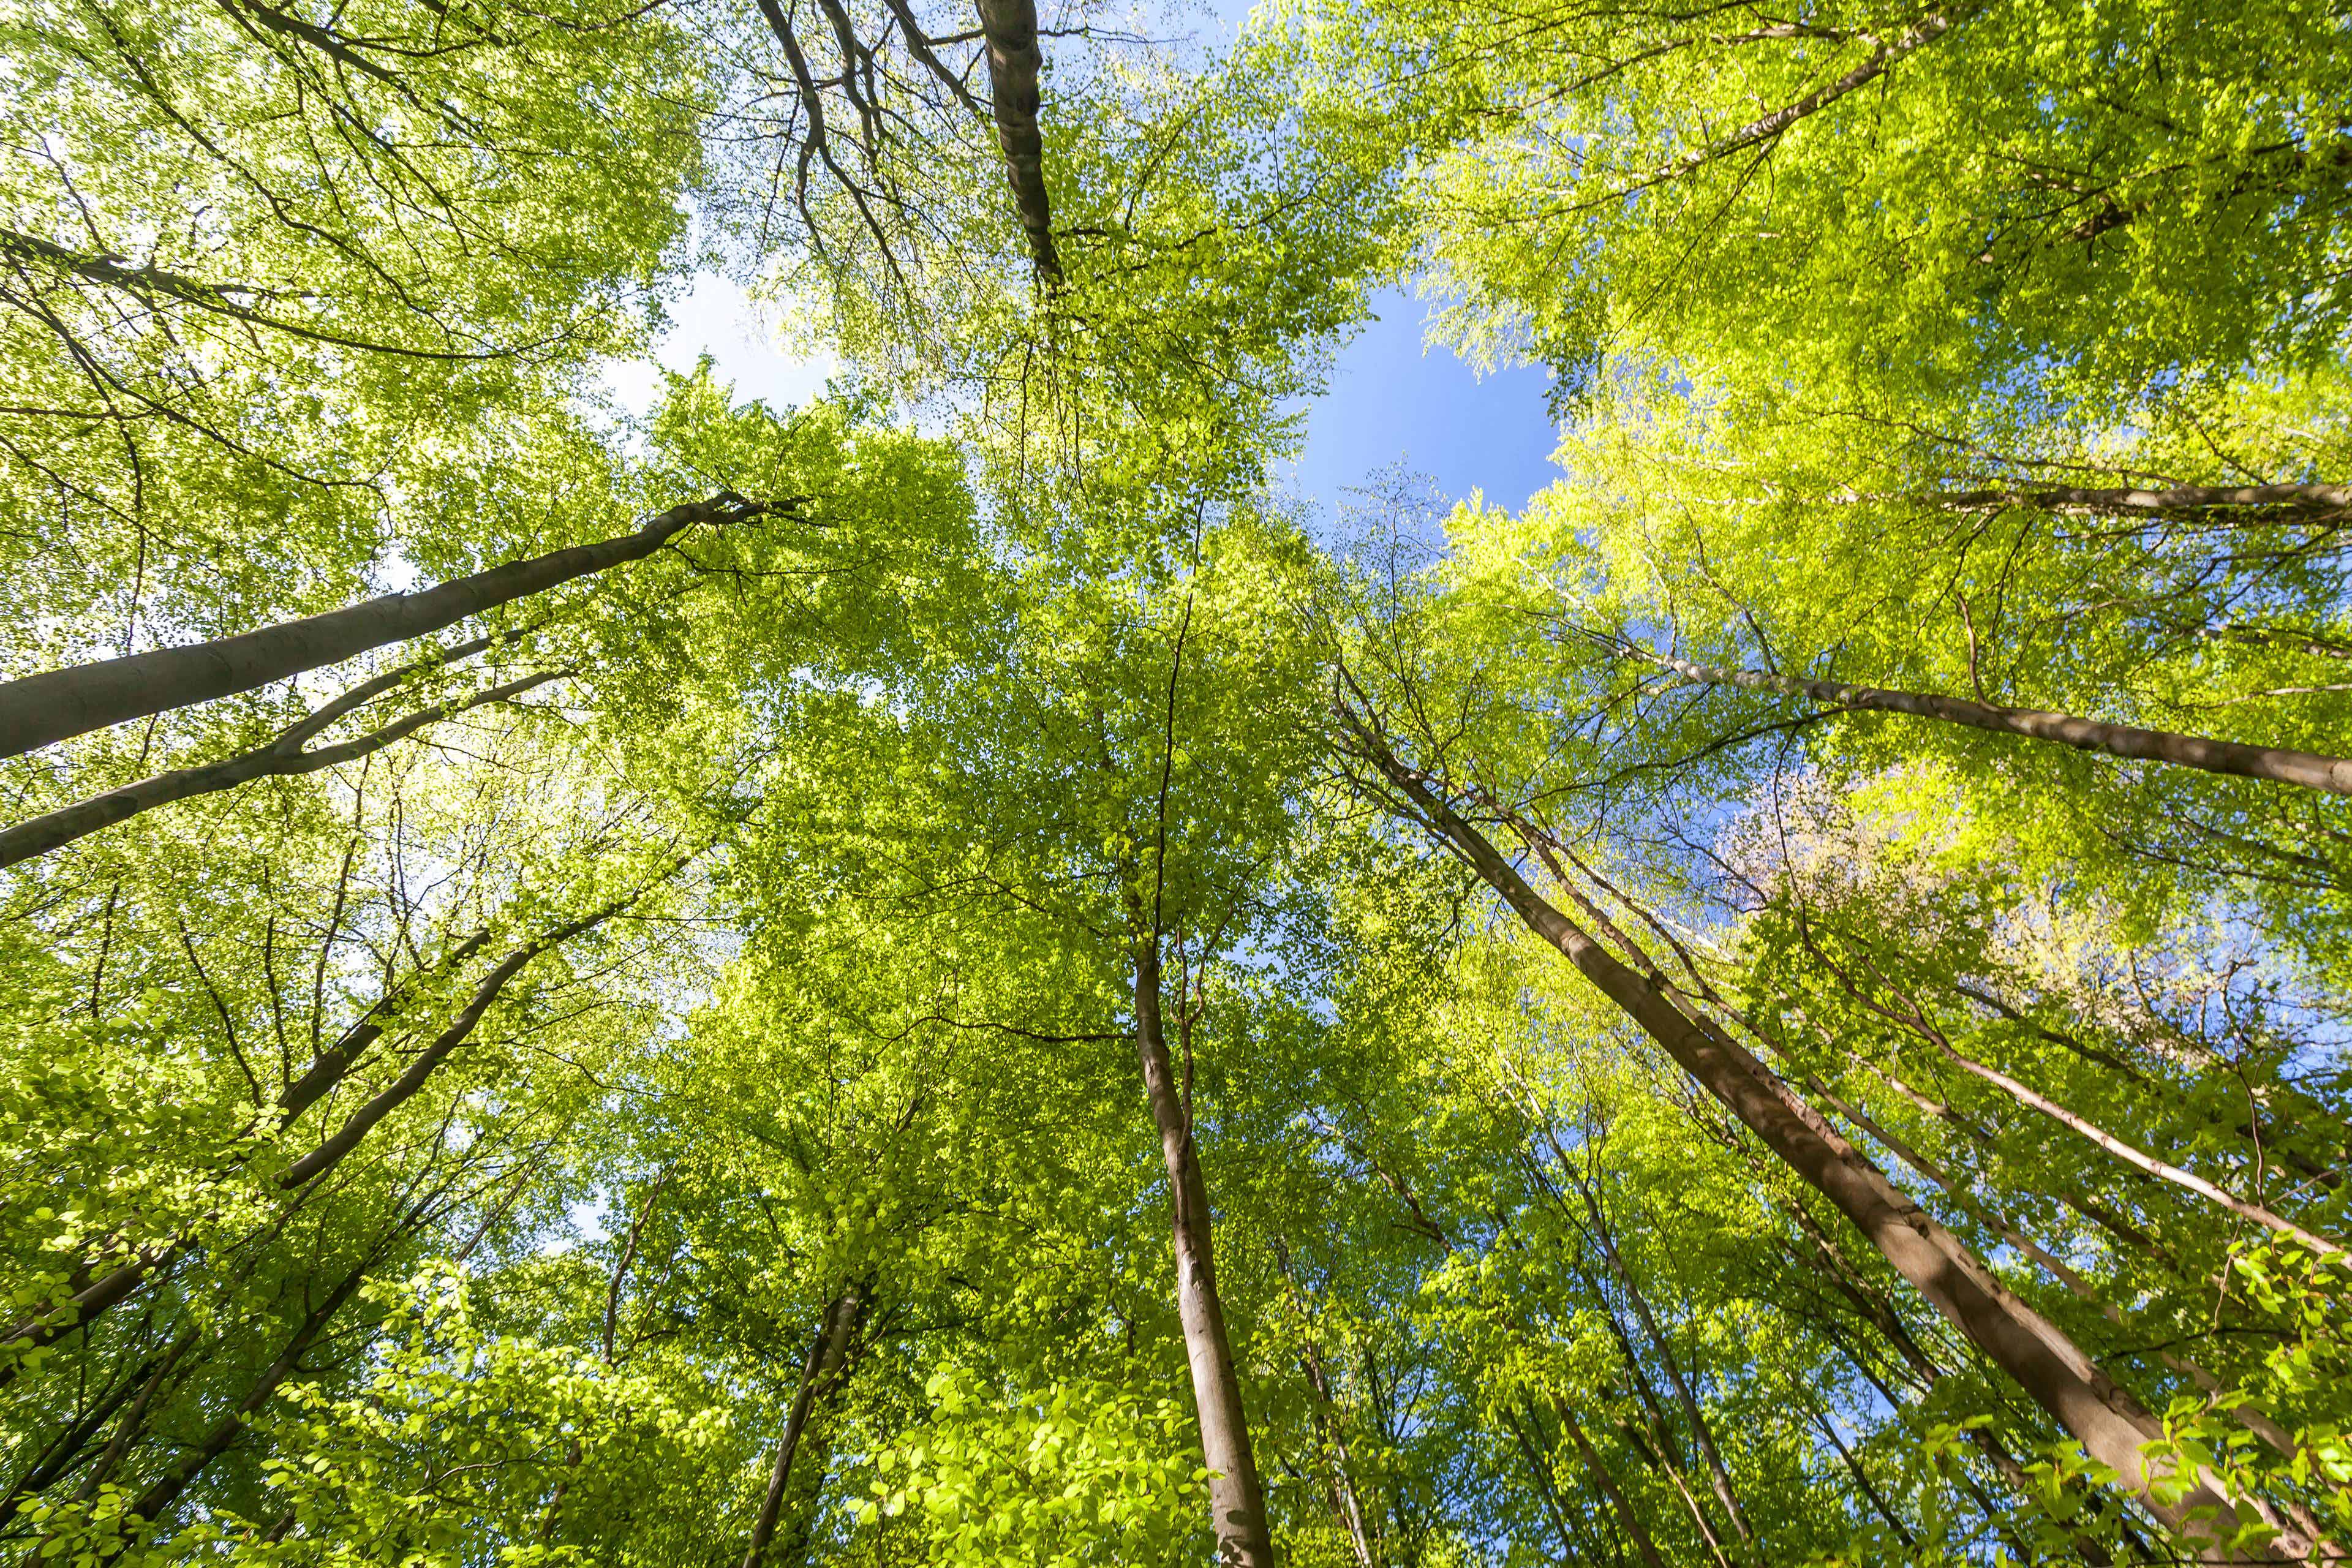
(86, 1303)
(1234, 1495)
(1934, 25)
(1618, 1502)
(2108, 1421)
(96, 1297)
(1009, 28)
(2293, 500)
(827, 1352)
(61, 703)
(1328, 1434)
(2311, 770)
(1718, 1473)
(282, 757)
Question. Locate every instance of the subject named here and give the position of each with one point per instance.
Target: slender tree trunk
(64, 1451)
(112, 1290)
(2111, 1425)
(1328, 1437)
(2138, 1159)
(826, 1354)
(2309, 769)
(1718, 1473)
(1827, 1422)
(328, 1067)
(2296, 501)
(2251, 1417)
(1570, 1550)
(283, 757)
(1235, 1496)
(1618, 1502)
(60, 703)
(86, 1304)
(346, 1138)
(134, 1419)
(168, 1487)
(1930, 28)
(1010, 29)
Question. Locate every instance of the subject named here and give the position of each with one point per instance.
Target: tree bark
(1618, 1502)
(1234, 1495)
(1718, 1473)
(2110, 1423)
(2310, 770)
(2302, 499)
(61, 703)
(346, 1138)
(1328, 1437)
(1010, 29)
(283, 757)
(167, 1487)
(826, 1354)
(109, 1289)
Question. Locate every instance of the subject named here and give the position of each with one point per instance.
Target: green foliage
(689, 1019)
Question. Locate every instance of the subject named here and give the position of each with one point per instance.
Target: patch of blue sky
(1395, 401)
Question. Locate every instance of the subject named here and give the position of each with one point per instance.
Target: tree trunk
(1618, 1502)
(2308, 769)
(1572, 1550)
(167, 1487)
(2110, 1423)
(826, 1354)
(60, 703)
(2295, 500)
(1234, 1496)
(283, 757)
(1328, 1438)
(1718, 1474)
(1010, 29)
(346, 1138)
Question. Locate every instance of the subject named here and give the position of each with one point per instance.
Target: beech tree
(953, 975)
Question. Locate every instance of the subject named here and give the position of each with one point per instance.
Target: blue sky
(1389, 401)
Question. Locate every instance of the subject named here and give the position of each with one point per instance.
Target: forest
(959, 972)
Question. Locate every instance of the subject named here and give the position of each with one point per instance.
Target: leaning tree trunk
(1010, 29)
(2309, 769)
(282, 757)
(61, 703)
(1235, 1496)
(106, 1292)
(826, 1354)
(1591, 1458)
(166, 1489)
(2108, 1420)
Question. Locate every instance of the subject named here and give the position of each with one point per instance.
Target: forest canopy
(955, 973)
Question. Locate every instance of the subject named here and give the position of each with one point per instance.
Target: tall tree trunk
(282, 757)
(60, 703)
(2309, 769)
(1329, 1436)
(1235, 1496)
(1618, 1502)
(2292, 502)
(346, 1138)
(2110, 1423)
(1571, 1551)
(826, 1354)
(112, 1290)
(1010, 30)
(1718, 1473)
(166, 1489)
